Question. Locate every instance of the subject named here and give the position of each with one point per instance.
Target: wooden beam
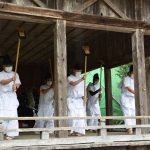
(39, 3)
(138, 56)
(108, 94)
(43, 15)
(100, 27)
(60, 61)
(115, 9)
(85, 5)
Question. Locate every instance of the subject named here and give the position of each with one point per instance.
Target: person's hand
(84, 99)
(14, 88)
(52, 86)
(14, 78)
(83, 78)
(100, 91)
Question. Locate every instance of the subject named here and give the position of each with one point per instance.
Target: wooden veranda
(59, 34)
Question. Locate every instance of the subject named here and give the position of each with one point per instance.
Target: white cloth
(93, 108)
(46, 108)
(9, 102)
(128, 100)
(76, 106)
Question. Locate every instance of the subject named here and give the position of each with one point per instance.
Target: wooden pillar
(108, 94)
(60, 62)
(147, 63)
(139, 75)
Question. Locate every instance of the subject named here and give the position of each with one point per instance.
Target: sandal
(72, 134)
(9, 138)
(79, 134)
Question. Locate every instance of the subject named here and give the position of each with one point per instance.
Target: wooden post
(139, 75)
(138, 131)
(102, 132)
(60, 62)
(44, 135)
(108, 94)
(1, 133)
(147, 63)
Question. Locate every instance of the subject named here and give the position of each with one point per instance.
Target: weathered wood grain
(60, 78)
(138, 55)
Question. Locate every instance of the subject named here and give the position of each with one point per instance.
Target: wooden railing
(102, 138)
(102, 127)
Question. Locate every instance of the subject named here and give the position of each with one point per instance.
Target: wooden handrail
(79, 127)
(68, 117)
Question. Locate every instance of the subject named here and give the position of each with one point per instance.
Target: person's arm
(130, 90)
(7, 81)
(74, 83)
(94, 93)
(17, 83)
(127, 85)
(45, 90)
(16, 87)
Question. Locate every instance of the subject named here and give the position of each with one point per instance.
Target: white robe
(93, 108)
(9, 102)
(76, 106)
(128, 100)
(46, 108)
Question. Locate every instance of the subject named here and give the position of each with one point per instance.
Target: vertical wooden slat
(139, 75)
(138, 131)
(60, 62)
(63, 5)
(44, 135)
(139, 15)
(108, 93)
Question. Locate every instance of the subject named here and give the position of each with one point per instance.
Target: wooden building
(117, 31)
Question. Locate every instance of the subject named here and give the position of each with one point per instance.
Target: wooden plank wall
(100, 8)
(127, 7)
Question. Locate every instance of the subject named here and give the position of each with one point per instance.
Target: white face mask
(49, 83)
(8, 69)
(77, 74)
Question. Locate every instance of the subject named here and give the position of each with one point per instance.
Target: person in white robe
(46, 105)
(8, 98)
(93, 107)
(76, 101)
(128, 99)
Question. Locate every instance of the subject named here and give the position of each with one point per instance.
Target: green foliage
(122, 71)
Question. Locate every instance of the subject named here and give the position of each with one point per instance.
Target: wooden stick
(101, 70)
(51, 71)
(85, 68)
(17, 57)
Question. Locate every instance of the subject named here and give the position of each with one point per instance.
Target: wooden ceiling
(111, 47)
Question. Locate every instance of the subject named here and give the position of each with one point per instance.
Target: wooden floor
(32, 141)
(33, 135)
